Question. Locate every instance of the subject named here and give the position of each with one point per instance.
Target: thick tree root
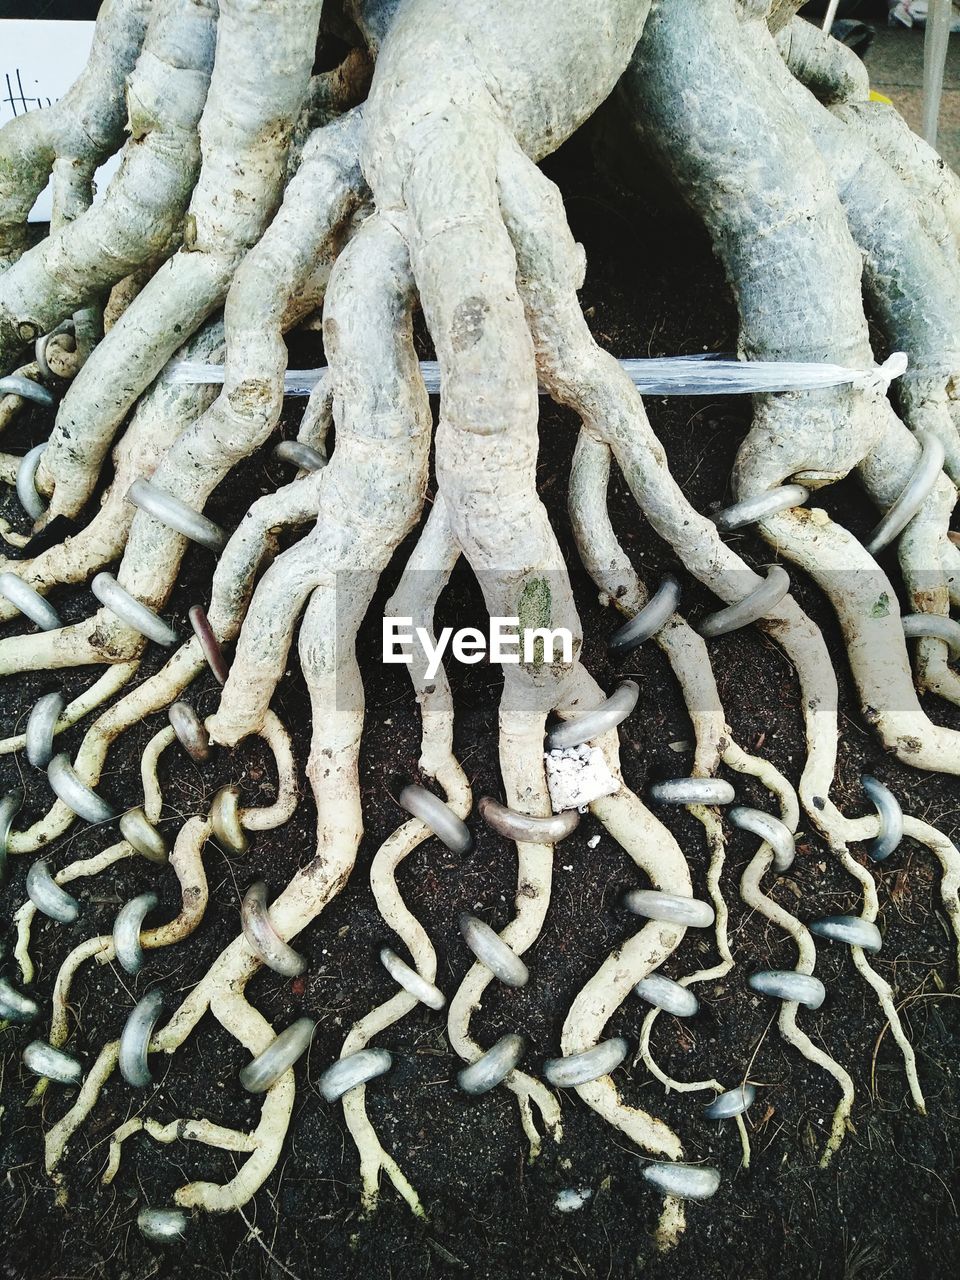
(73, 137)
(245, 130)
(264, 188)
(139, 221)
(167, 406)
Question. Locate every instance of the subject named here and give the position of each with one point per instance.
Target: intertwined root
(250, 183)
(245, 130)
(166, 406)
(140, 220)
(72, 138)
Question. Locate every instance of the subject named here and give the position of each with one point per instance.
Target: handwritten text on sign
(39, 61)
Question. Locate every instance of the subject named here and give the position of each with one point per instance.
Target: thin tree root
(424, 578)
(188, 1130)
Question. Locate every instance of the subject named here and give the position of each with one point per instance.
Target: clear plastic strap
(706, 375)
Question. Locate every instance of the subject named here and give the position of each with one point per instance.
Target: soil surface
(885, 1207)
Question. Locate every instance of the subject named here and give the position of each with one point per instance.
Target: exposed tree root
(245, 129)
(251, 183)
(167, 405)
(424, 578)
(72, 138)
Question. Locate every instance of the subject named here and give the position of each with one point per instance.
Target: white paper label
(39, 61)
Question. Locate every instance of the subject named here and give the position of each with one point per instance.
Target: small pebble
(576, 776)
(572, 1199)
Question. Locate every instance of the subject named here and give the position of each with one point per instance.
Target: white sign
(39, 61)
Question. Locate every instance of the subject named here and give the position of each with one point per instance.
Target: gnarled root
(754, 896)
(71, 138)
(247, 122)
(424, 578)
(139, 221)
(168, 406)
(430, 191)
(372, 345)
(230, 1008)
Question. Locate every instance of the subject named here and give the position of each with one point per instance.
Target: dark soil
(887, 1205)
